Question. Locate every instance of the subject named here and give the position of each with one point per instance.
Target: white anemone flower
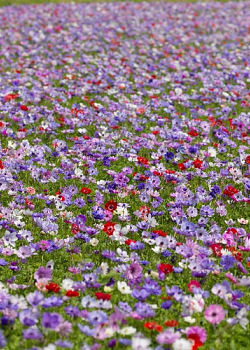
(123, 287)
(140, 343)
(182, 344)
(119, 233)
(127, 331)
(67, 284)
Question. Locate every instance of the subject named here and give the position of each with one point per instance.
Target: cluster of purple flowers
(124, 175)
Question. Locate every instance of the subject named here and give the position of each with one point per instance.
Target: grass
(218, 339)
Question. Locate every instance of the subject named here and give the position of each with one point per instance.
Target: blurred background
(19, 2)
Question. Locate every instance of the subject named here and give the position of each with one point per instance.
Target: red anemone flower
(197, 163)
(109, 228)
(111, 206)
(230, 191)
(192, 284)
(72, 293)
(247, 160)
(181, 166)
(160, 233)
(149, 325)
(24, 108)
(196, 339)
(171, 323)
(86, 190)
(129, 241)
(142, 160)
(52, 287)
(74, 229)
(103, 296)
(166, 268)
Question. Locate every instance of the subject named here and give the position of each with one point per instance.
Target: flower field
(125, 176)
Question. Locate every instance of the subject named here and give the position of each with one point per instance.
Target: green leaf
(78, 278)
(77, 257)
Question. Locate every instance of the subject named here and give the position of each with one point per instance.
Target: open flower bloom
(214, 314)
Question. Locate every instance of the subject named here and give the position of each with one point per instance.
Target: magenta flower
(214, 314)
(201, 332)
(133, 271)
(43, 245)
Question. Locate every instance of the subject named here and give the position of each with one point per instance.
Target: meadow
(124, 176)
(37, 2)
